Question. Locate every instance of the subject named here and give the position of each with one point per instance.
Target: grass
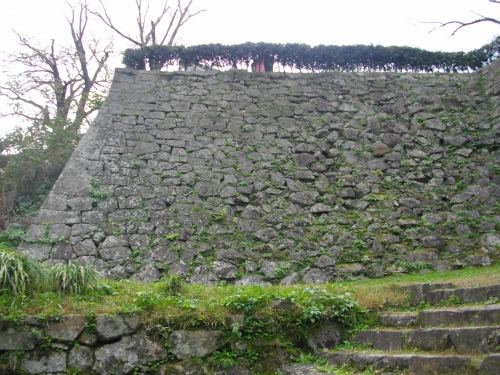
(73, 278)
(22, 276)
(387, 291)
(212, 303)
(17, 273)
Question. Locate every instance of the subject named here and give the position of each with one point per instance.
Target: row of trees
(318, 58)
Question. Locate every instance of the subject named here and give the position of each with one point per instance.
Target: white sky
(337, 22)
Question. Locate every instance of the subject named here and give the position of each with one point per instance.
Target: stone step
(398, 320)
(300, 370)
(420, 364)
(465, 295)
(419, 291)
(461, 340)
(463, 316)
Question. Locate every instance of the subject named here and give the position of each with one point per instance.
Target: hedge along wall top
(253, 178)
(318, 58)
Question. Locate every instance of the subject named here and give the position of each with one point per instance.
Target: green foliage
(171, 236)
(318, 303)
(245, 301)
(313, 312)
(218, 216)
(35, 156)
(318, 58)
(45, 239)
(18, 273)
(30, 204)
(147, 300)
(225, 358)
(315, 304)
(412, 267)
(73, 371)
(95, 191)
(359, 245)
(281, 271)
(12, 237)
(308, 358)
(492, 301)
(452, 301)
(423, 305)
(74, 278)
(173, 285)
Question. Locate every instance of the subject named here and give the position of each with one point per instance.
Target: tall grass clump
(74, 278)
(18, 273)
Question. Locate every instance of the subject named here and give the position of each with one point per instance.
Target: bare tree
(479, 18)
(148, 30)
(52, 82)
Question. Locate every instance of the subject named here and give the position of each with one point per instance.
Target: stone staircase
(462, 340)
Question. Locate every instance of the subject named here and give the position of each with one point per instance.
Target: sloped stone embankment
(252, 178)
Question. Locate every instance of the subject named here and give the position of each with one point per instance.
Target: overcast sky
(337, 22)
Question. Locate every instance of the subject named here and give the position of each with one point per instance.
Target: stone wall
(255, 178)
(110, 345)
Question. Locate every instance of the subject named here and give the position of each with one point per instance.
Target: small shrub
(147, 301)
(281, 271)
(245, 301)
(359, 244)
(173, 285)
(74, 278)
(225, 358)
(452, 301)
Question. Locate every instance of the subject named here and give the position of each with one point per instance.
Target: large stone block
(382, 340)
(443, 365)
(475, 339)
(67, 329)
(189, 344)
(327, 337)
(43, 362)
(16, 338)
(122, 356)
(428, 339)
(81, 357)
(113, 327)
(490, 365)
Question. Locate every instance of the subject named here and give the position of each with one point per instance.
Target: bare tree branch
(55, 82)
(460, 24)
(148, 31)
(107, 21)
(183, 18)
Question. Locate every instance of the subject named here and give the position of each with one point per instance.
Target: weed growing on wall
(96, 193)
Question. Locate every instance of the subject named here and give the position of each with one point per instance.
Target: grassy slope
(126, 296)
